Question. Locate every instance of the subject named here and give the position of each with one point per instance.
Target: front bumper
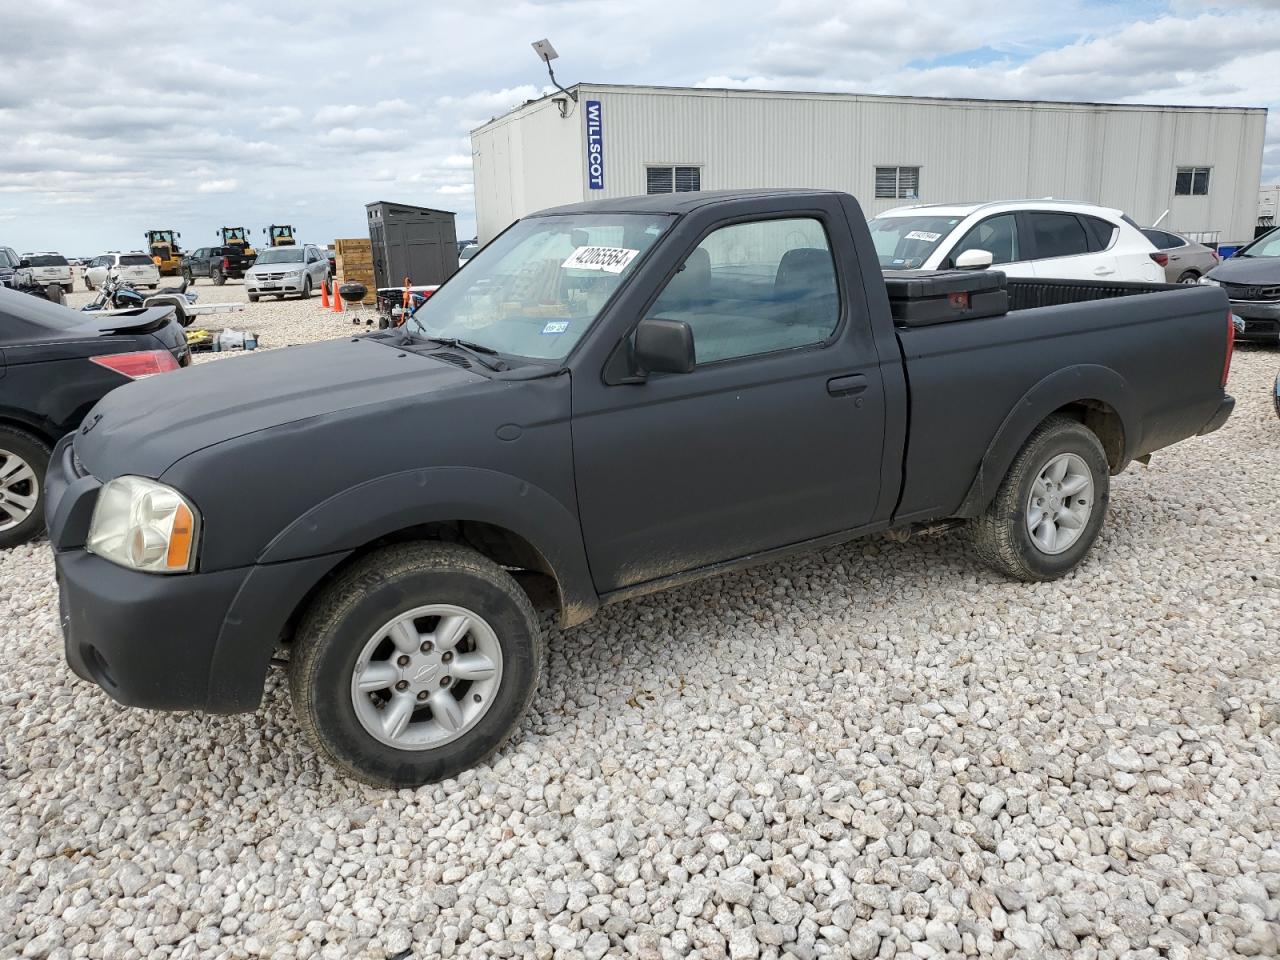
(254, 285)
(1261, 320)
(199, 641)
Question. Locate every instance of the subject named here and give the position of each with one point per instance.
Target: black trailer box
(918, 298)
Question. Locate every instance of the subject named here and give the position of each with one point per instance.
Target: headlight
(144, 525)
(1209, 281)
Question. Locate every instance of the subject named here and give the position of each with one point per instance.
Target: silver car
(279, 271)
(1185, 260)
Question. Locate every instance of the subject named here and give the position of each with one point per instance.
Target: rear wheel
(415, 664)
(24, 458)
(68, 288)
(1189, 276)
(216, 276)
(1050, 506)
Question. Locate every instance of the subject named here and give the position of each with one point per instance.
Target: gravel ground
(880, 750)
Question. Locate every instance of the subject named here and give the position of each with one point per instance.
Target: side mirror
(664, 346)
(24, 264)
(974, 260)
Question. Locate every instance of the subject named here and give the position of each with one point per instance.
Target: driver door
(773, 439)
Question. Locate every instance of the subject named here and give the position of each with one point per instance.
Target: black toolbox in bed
(918, 298)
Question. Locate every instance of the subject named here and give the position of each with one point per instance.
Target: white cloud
(230, 125)
(217, 186)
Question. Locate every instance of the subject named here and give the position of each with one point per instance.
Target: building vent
(898, 183)
(673, 179)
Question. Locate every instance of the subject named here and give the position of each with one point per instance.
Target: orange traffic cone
(324, 294)
(337, 300)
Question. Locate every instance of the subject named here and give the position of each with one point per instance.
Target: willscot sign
(595, 146)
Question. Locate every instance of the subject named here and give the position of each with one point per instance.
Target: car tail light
(1160, 258)
(139, 365)
(1214, 254)
(226, 263)
(1231, 346)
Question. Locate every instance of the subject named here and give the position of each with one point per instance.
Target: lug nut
(402, 685)
(422, 695)
(445, 681)
(403, 659)
(426, 646)
(447, 656)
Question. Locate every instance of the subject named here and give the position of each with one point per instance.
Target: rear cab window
(135, 260)
(48, 260)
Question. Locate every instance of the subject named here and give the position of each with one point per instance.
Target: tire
(53, 293)
(33, 454)
(216, 276)
(1002, 537)
(306, 288)
(87, 285)
(1189, 276)
(188, 276)
(68, 288)
(253, 298)
(344, 623)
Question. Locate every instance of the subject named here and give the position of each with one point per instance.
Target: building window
(672, 179)
(898, 183)
(1192, 182)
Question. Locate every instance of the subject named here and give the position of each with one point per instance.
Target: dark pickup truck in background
(216, 263)
(613, 398)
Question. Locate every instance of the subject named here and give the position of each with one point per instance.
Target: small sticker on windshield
(924, 235)
(608, 259)
(556, 326)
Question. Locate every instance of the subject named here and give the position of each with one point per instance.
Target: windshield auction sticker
(924, 235)
(608, 259)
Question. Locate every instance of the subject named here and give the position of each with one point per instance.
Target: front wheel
(415, 664)
(253, 298)
(306, 288)
(188, 276)
(24, 459)
(1049, 509)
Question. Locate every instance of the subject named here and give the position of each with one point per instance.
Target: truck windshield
(535, 290)
(904, 243)
(281, 255)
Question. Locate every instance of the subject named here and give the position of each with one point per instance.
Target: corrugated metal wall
(1120, 156)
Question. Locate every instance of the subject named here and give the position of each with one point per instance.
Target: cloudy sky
(195, 115)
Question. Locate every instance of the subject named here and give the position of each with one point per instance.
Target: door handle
(846, 386)
(1103, 271)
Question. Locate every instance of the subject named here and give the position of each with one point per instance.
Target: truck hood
(145, 427)
(1250, 270)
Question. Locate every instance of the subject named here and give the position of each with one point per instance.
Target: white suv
(45, 269)
(1051, 239)
(283, 270)
(135, 268)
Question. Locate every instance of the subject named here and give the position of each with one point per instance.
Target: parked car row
(1251, 281)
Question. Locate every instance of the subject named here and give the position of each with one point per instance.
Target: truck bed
(968, 381)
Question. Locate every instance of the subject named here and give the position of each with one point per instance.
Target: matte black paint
(297, 458)
(47, 382)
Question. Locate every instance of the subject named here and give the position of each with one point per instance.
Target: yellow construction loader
(164, 250)
(237, 237)
(279, 235)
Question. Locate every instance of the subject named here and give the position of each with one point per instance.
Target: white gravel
(880, 750)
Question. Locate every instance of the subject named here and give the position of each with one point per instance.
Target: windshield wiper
(476, 349)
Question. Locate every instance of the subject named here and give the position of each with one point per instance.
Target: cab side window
(754, 288)
(997, 235)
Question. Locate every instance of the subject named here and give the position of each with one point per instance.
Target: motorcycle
(117, 294)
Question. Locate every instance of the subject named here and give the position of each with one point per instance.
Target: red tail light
(226, 263)
(137, 366)
(1231, 346)
(1214, 254)
(1160, 258)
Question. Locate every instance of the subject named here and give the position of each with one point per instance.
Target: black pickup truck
(216, 263)
(612, 398)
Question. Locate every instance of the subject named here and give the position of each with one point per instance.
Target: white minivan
(1051, 239)
(136, 268)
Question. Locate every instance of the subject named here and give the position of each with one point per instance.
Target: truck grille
(1240, 291)
(270, 277)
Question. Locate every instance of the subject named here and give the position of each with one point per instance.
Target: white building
(1201, 164)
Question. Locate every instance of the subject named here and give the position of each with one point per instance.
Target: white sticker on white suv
(608, 259)
(924, 235)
